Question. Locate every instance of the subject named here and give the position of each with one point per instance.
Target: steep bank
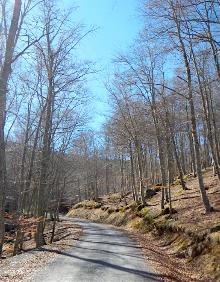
(188, 237)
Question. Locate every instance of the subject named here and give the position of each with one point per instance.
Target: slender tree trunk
(192, 149)
(207, 116)
(79, 191)
(161, 151)
(133, 173)
(204, 196)
(140, 169)
(4, 78)
(107, 175)
(45, 160)
(172, 137)
(26, 197)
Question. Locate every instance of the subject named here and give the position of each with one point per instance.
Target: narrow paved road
(102, 254)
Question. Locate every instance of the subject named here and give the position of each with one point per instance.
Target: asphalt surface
(102, 254)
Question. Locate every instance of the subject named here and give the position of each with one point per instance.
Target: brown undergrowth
(22, 267)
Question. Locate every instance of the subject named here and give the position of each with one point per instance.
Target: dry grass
(189, 205)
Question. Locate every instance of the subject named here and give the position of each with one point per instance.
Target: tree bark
(204, 196)
(4, 78)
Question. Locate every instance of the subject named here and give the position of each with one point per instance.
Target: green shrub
(133, 206)
(143, 212)
(88, 204)
(137, 223)
(149, 219)
(124, 208)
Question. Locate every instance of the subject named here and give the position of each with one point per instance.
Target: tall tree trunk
(207, 115)
(191, 146)
(204, 196)
(133, 173)
(173, 142)
(140, 169)
(4, 78)
(44, 167)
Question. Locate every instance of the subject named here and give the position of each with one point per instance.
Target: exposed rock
(195, 250)
(140, 207)
(10, 227)
(181, 254)
(192, 251)
(167, 211)
(215, 228)
(150, 193)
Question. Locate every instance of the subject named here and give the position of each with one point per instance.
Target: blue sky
(118, 24)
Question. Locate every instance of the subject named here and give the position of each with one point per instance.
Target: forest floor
(185, 243)
(22, 267)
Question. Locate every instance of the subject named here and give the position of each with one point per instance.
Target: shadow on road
(109, 252)
(143, 274)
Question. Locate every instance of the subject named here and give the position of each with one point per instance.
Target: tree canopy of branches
(42, 106)
(164, 95)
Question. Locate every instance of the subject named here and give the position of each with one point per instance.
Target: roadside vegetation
(187, 233)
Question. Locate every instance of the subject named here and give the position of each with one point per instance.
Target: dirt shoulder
(22, 267)
(165, 262)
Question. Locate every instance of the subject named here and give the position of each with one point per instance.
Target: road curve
(102, 254)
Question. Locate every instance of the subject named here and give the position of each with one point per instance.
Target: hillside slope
(188, 235)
